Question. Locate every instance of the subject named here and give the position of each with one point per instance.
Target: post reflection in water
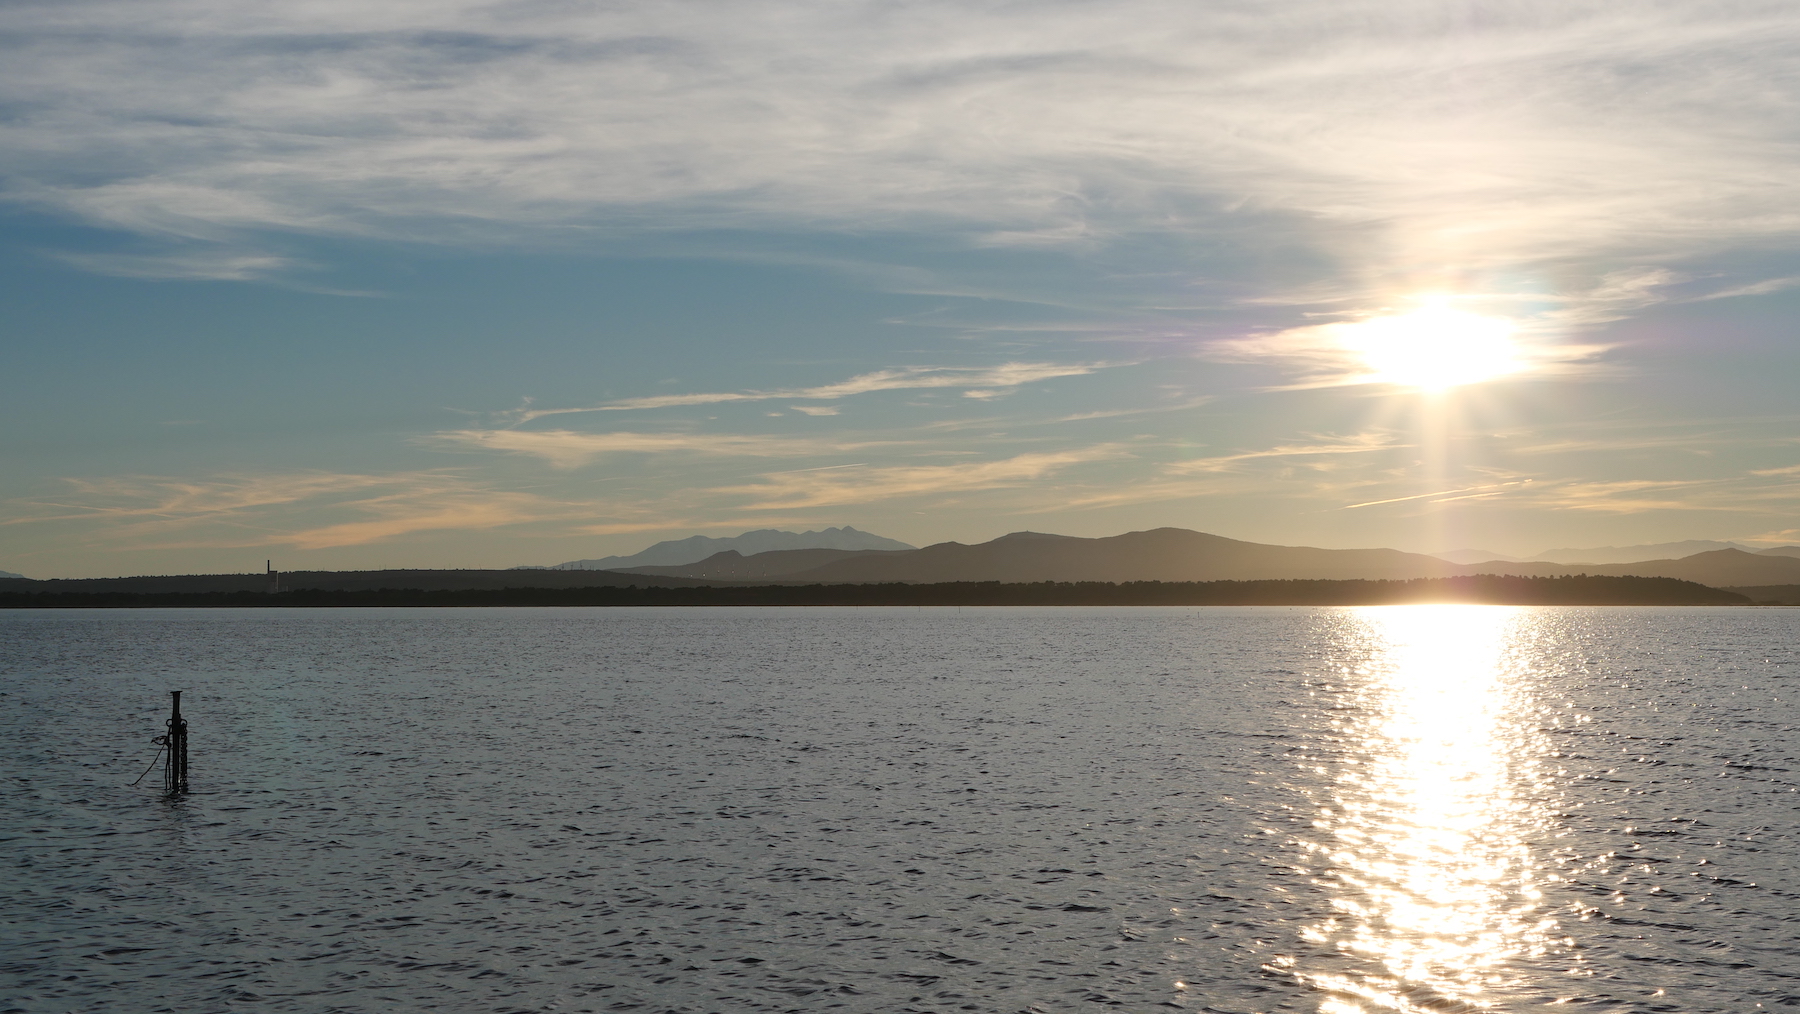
(1423, 831)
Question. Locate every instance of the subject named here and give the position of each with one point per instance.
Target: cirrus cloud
(1397, 136)
(821, 488)
(572, 449)
(304, 510)
(977, 381)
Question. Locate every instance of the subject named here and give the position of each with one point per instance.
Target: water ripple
(999, 810)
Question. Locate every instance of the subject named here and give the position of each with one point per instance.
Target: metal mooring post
(175, 761)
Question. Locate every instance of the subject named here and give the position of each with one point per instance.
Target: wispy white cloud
(905, 378)
(1153, 490)
(1613, 296)
(572, 449)
(1639, 496)
(1291, 471)
(141, 497)
(1604, 444)
(1762, 288)
(209, 265)
(821, 488)
(306, 510)
(1765, 492)
(1116, 413)
(1361, 443)
(1397, 136)
(413, 511)
(1443, 495)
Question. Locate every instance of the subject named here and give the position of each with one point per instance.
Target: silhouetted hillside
(1175, 554)
(1719, 568)
(1770, 595)
(1631, 554)
(733, 566)
(678, 552)
(1165, 554)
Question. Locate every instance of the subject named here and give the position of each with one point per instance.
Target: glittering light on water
(1423, 839)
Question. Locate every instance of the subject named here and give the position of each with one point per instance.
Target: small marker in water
(175, 761)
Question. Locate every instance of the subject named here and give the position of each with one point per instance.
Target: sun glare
(1434, 348)
(1426, 848)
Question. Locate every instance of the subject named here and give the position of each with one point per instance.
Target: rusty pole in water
(175, 771)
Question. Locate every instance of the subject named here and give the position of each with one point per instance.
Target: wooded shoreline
(1482, 588)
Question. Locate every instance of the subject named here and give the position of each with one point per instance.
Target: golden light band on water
(1423, 839)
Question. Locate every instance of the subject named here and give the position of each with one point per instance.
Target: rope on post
(160, 742)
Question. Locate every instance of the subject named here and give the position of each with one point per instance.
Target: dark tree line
(1480, 588)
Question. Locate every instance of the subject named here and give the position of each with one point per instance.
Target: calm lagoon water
(1455, 808)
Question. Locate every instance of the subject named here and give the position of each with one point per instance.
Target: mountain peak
(1177, 554)
(1636, 554)
(694, 548)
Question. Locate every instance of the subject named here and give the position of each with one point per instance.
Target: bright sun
(1433, 348)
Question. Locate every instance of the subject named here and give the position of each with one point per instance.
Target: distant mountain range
(8, 573)
(1164, 554)
(1616, 554)
(1175, 554)
(1475, 556)
(677, 552)
(1480, 588)
(1722, 568)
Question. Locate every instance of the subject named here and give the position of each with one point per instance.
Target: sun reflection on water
(1422, 840)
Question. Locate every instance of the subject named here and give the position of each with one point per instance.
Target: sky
(455, 284)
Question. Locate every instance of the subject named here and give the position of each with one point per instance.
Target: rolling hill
(677, 552)
(1163, 554)
(1175, 554)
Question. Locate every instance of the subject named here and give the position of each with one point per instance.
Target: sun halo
(1433, 348)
